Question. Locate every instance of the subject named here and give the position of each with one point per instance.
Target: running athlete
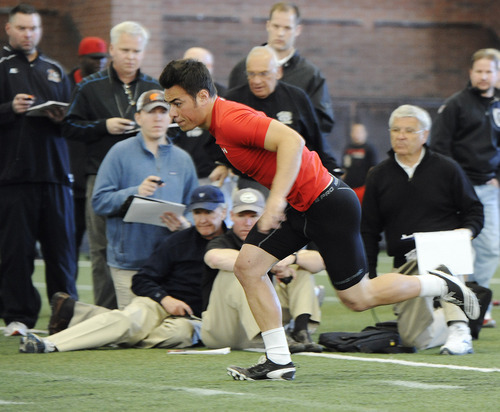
(305, 203)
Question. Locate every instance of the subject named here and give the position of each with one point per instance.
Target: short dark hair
(285, 6)
(189, 74)
(23, 9)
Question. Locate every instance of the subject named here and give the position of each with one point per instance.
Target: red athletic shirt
(240, 132)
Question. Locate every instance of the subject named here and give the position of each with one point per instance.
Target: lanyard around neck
(127, 89)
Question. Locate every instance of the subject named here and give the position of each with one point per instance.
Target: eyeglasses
(267, 73)
(408, 131)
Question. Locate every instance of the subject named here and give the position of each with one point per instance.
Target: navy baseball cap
(206, 197)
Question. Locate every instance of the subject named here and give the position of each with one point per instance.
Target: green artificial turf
(151, 379)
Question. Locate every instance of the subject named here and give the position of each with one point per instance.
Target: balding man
(207, 58)
(282, 101)
(283, 28)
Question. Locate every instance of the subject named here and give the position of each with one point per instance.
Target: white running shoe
(459, 340)
(15, 329)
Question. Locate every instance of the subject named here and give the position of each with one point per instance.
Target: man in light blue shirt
(147, 164)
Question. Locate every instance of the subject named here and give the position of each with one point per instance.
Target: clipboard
(452, 248)
(39, 110)
(140, 209)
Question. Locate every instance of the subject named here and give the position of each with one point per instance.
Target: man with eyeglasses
(284, 102)
(467, 128)
(417, 190)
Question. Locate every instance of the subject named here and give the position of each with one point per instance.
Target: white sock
(431, 285)
(276, 346)
(49, 346)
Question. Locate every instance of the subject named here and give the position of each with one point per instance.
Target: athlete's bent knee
(355, 303)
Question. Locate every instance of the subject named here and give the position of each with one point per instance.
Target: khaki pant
(104, 291)
(228, 320)
(419, 323)
(122, 279)
(143, 324)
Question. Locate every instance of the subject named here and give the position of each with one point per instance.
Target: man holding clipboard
(148, 165)
(35, 180)
(417, 190)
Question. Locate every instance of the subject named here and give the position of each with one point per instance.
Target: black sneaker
(458, 293)
(31, 343)
(303, 337)
(63, 307)
(265, 369)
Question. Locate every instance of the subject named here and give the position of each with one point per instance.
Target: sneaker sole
(30, 344)
(470, 304)
(446, 351)
(286, 374)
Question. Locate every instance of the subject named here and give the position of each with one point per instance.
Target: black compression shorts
(332, 222)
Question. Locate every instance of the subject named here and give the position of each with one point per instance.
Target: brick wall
(374, 55)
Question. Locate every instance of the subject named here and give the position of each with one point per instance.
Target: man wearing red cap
(93, 57)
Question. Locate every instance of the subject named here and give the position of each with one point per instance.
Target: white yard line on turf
(13, 403)
(42, 285)
(134, 384)
(420, 385)
(400, 362)
(81, 263)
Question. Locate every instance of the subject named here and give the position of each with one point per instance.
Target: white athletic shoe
(459, 340)
(15, 329)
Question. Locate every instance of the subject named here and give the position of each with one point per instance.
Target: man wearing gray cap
(149, 165)
(166, 312)
(134, 167)
(227, 320)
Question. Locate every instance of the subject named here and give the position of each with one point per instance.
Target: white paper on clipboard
(41, 109)
(452, 248)
(148, 210)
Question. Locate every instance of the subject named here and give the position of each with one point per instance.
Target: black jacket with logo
(32, 148)
(304, 75)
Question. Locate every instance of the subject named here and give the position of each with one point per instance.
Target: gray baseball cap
(151, 99)
(248, 199)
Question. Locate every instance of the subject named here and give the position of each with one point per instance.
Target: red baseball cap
(93, 46)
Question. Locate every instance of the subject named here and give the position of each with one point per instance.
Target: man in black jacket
(35, 182)
(467, 129)
(283, 28)
(416, 190)
(166, 312)
(101, 114)
(263, 90)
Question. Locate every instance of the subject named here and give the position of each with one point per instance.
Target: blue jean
(487, 244)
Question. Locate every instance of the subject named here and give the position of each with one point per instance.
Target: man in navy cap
(168, 307)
